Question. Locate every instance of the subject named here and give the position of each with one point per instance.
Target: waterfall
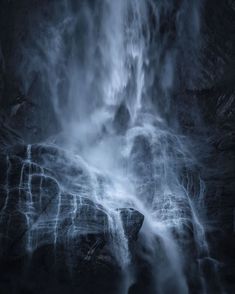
(112, 71)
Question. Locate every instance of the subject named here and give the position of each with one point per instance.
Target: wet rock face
(219, 175)
(207, 113)
(142, 166)
(32, 193)
(47, 229)
(23, 104)
(216, 100)
(132, 222)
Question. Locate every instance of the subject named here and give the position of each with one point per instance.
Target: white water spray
(112, 69)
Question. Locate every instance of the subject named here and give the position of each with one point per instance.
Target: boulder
(48, 195)
(132, 222)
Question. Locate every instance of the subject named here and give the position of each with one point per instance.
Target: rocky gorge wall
(27, 117)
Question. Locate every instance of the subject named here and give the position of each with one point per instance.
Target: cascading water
(112, 69)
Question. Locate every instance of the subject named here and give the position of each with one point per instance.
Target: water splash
(112, 69)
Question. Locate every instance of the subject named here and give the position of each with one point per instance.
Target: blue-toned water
(112, 70)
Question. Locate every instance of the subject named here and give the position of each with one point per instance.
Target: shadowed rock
(121, 119)
(48, 233)
(132, 222)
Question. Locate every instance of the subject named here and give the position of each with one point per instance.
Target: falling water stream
(112, 69)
